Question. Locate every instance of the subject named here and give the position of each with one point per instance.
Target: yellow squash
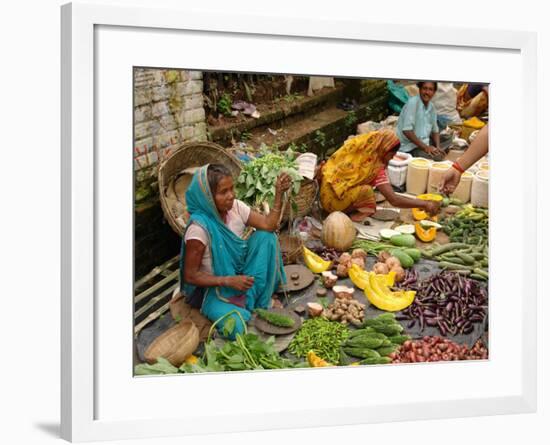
(360, 277)
(425, 235)
(383, 298)
(314, 262)
(315, 361)
(419, 214)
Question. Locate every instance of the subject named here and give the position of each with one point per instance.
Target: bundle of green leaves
(246, 352)
(256, 182)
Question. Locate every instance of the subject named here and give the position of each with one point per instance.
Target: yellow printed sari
(346, 181)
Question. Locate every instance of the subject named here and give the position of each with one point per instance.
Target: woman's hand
(284, 181)
(239, 282)
(319, 171)
(432, 207)
(450, 180)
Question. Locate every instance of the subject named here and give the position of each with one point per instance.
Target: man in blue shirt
(417, 125)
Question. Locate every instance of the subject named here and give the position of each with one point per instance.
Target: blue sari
(259, 256)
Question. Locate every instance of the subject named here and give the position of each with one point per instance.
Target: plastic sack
(398, 96)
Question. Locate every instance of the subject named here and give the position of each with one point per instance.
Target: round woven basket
(304, 200)
(291, 248)
(190, 154)
(175, 345)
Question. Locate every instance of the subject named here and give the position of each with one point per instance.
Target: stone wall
(168, 110)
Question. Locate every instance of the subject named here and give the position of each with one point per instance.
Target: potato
(344, 258)
(380, 268)
(399, 273)
(358, 253)
(360, 261)
(392, 262)
(383, 256)
(342, 270)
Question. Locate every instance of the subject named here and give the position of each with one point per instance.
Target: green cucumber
(404, 240)
(387, 350)
(376, 361)
(453, 266)
(405, 229)
(414, 253)
(276, 319)
(361, 352)
(365, 342)
(390, 329)
(404, 258)
(399, 339)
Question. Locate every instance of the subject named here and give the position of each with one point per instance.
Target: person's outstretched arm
(478, 149)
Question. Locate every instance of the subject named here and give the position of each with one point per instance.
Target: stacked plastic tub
(480, 184)
(397, 169)
(417, 175)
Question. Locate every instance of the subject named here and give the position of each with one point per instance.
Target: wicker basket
(191, 154)
(291, 248)
(175, 345)
(304, 200)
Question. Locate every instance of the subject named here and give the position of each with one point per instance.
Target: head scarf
(228, 250)
(359, 160)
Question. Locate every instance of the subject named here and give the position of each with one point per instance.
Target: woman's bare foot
(358, 217)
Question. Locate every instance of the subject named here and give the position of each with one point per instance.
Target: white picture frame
(84, 326)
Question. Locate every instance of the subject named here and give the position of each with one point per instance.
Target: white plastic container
(483, 166)
(397, 175)
(480, 189)
(437, 170)
(464, 188)
(401, 159)
(417, 175)
(397, 170)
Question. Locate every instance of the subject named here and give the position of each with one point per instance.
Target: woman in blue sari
(219, 271)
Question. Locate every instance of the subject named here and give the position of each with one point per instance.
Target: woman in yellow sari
(349, 175)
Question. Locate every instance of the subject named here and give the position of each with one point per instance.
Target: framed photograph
(289, 158)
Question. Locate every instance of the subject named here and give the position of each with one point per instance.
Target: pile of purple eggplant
(447, 300)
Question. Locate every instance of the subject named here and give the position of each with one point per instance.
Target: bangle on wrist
(457, 167)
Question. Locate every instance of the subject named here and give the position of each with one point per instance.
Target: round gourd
(338, 231)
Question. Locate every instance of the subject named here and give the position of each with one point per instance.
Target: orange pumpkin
(426, 235)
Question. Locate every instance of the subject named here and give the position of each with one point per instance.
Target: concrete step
(287, 109)
(322, 132)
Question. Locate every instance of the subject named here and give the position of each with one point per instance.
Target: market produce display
(447, 301)
(411, 289)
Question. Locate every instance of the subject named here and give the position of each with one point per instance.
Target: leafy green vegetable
(246, 352)
(256, 182)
